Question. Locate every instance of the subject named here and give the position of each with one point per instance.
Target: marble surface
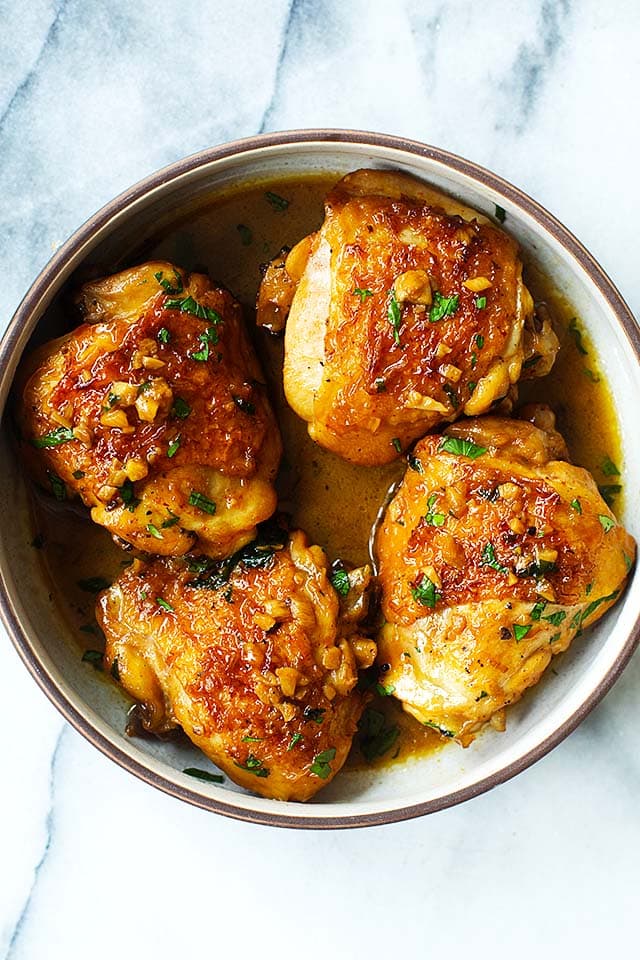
(95, 95)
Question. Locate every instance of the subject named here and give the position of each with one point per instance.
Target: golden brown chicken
(254, 657)
(493, 555)
(155, 413)
(407, 310)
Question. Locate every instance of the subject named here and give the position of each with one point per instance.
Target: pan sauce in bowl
(335, 502)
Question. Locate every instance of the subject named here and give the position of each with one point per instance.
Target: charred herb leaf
(259, 553)
(203, 775)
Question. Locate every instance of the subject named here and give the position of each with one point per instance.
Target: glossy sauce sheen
(335, 502)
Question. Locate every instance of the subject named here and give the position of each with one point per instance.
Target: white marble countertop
(94, 96)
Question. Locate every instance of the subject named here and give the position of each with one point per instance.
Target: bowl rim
(39, 289)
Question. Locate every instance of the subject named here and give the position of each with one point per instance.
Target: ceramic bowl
(355, 798)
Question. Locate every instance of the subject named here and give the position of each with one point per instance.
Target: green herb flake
(321, 765)
(609, 492)
(556, 618)
(153, 530)
(520, 630)
(479, 339)
(609, 468)
(78, 474)
(314, 713)
(180, 409)
(489, 559)
(575, 504)
(380, 384)
(576, 333)
(531, 361)
(606, 522)
(54, 439)
(443, 306)
(397, 444)
(204, 775)
(472, 385)
(385, 690)
(245, 405)
(252, 739)
(163, 335)
(481, 302)
(94, 657)
(583, 615)
(340, 582)
(363, 293)
(483, 694)
(375, 737)
(435, 519)
(463, 448)
(501, 213)
(191, 306)
(164, 604)
(201, 502)
(588, 588)
(93, 584)
(127, 496)
(628, 562)
(436, 726)
(246, 236)
(58, 487)
(295, 739)
(171, 288)
(452, 396)
(394, 316)
(538, 609)
(254, 765)
(278, 203)
(474, 360)
(171, 520)
(210, 335)
(174, 446)
(414, 463)
(590, 375)
(425, 592)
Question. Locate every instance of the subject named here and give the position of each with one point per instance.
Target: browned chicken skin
(493, 555)
(155, 413)
(409, 311)
(255, 658)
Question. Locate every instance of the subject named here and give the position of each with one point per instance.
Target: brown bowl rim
(548, 223)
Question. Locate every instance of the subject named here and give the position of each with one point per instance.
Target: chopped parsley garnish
(385, 690)
(254, 765)
(576, 333)
(609, 491)
(520, 630)
(531, 362)
(78, 474)
(397, 444)
(201, 502)
(55, 438)
(189, 305)
(277, 202)
(443, 306)
(171, 520)
(94, 657)
(210, 335)
(246, 236)
(452, 396)
(425, 592)
(434, 519)
(606, 522)
(252, 739)
(489, 559)
(245, 405)
(203, 775)
(314, 713)
(363, 293)
(481, 303)
(590, 375)
(163, 335)
(174, 446)
(340, 582)
(538, 609)
(483, 694)
(474, 360)
(537, 568)
(501, 213)
(168, 287)
(153, 530)
(576, 505)
(556, 618)
(583, 615)
(180, 408)
(394, 316)
(259, 553)
(58, 487)
(321, 765)
(628, 562)
(93, 584)
(164, 604)
(127, 496)
(375, 737)
(609, 468)
(465, 448)
(295, 739)
(436, 726)
(414, 463)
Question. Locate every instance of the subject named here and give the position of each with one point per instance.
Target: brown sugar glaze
(335, 502)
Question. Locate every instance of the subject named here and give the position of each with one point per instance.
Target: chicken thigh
(255, 657)
(154, 412)
(494, 554)
(407, 311)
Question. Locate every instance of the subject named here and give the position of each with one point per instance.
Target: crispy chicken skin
(255, 658)
(409, 310)
(493, 555)
(154, 412)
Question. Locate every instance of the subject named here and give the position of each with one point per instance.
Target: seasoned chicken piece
(254, 657)
(410, 310)
(493, 555)
(155, 413)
